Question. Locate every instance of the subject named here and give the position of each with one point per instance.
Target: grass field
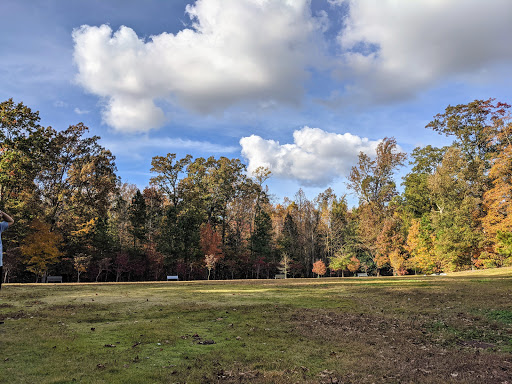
(415, 329)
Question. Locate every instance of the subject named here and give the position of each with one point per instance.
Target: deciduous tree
(41, 248)
(319, 268)
(372, 181)
(210, 261)
(456, 223)
(340, 261)
(104, 265)
(168, 171)
(391, 245)
(81, 262)
(121, 264)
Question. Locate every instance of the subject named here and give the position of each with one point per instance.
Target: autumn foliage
(41, 248)
(319, 268)
(211, 246)
(207, 216)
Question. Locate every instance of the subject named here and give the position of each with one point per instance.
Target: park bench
(280, 276)
(54, 279)
(362, 275)
(172, 278)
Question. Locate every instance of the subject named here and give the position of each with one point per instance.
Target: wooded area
(206, 218)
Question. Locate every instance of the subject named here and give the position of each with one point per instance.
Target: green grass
(503, 315)
(454, 328)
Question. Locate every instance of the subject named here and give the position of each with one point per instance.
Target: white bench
(362, 275)
(280, 276)
(172, 278)
(54, 279)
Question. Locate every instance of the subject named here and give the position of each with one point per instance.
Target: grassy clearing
(454, 328)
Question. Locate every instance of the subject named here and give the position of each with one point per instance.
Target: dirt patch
(477, 344)
(14, 315)
(239, 376)
(377, 349)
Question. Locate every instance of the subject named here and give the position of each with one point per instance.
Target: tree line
(203, 218)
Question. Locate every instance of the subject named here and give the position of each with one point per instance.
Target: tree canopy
(203, 217)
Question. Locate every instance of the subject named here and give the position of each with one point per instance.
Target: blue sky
(298, 86)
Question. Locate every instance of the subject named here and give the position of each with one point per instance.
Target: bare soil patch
(373, 349)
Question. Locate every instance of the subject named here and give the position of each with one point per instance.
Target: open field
(418, 329)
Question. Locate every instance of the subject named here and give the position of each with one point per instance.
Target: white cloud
(394, 49)
(132, 114)
(79, 111)
(316, 157)
(262, 52)
(235, 51)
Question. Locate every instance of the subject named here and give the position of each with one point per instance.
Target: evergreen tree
(138, 218)
(261, 238)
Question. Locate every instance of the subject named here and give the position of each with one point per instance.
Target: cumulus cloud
(394, 49)
(316, 157)
(263, 51)
(235, 51)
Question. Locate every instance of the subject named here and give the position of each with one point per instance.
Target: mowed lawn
(413, 329)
